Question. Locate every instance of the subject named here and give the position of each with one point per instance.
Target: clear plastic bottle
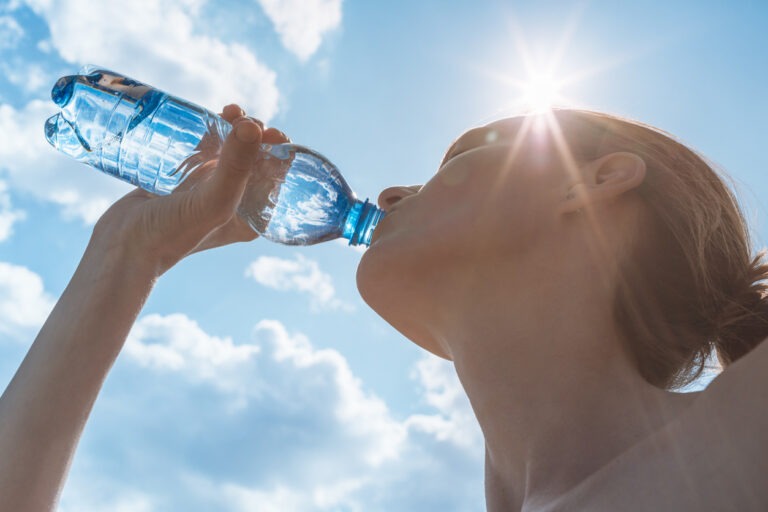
(155, 141)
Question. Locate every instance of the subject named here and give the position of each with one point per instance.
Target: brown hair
(690, 286)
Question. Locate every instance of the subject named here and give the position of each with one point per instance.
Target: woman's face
(493, 199)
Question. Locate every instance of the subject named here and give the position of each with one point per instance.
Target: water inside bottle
(132, 131)
(307, 199)
(156, 141)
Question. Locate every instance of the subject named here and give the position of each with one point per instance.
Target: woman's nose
(392, 195)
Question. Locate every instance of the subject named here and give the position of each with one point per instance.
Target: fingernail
(247, 132)
(257, 121)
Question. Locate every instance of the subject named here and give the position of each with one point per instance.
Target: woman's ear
(604, 179)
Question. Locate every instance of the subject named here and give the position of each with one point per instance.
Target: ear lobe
(605, 179)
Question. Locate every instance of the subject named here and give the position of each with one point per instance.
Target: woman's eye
(462, 151)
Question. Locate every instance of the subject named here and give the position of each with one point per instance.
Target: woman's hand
(152, 233)
(46, 405)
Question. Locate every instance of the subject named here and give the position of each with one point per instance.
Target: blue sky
(256, 378)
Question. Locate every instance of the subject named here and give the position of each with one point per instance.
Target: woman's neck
(554, 393)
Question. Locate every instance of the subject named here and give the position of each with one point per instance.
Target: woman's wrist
(108, 259)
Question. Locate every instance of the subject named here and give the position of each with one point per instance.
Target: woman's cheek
(453, 175)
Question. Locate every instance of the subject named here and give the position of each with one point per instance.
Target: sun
(540, 93)
(536, 86)
(538, 76)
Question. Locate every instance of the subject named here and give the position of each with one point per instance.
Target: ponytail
(743, 323)
(688, 286)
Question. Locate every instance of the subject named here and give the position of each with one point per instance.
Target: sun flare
(538, 76)
(540, 93)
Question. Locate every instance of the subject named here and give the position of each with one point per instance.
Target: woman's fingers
(275, 136)
(270, 135)
(219, 191)
(218, 196)
(232, 112)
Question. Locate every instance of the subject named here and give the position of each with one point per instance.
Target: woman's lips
(381, 225)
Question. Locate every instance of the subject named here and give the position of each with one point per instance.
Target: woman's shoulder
(711, 457)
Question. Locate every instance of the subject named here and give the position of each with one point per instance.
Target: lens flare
(540, 93)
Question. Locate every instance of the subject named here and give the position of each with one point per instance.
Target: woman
(574, 266)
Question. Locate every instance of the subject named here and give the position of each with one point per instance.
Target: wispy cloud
(83, 499)
(32, 166)
(10, 32)
(8, 214)
(24, 303)
(29, 77)
(302, 24)
(301, 275)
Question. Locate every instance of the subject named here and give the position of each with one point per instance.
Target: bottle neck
(362, 219)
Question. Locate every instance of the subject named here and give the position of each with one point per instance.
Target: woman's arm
(45, 407)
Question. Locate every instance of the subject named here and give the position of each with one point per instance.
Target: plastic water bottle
(155, 141)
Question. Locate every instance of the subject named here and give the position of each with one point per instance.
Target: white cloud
(29, 77)
(33, 166)
(306, 435)
(10, 32)
(302, 24)
(177, 343)
(279, 499)
(163, 47)
(86, 498)
(363, 415)
(301, 275)
(455, 421)
(8, 216)
(10, 5)
(24, 304)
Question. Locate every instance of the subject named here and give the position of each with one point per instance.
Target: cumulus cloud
(455, 420)
(300, 275)
(8, 215)
(24, 303)
(306, 435)
(165, 49)
(177, 343)
(362, 415)
(302, 24)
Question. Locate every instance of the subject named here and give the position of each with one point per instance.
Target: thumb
(238, 157)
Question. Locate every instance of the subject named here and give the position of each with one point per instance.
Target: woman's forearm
(45, 407)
